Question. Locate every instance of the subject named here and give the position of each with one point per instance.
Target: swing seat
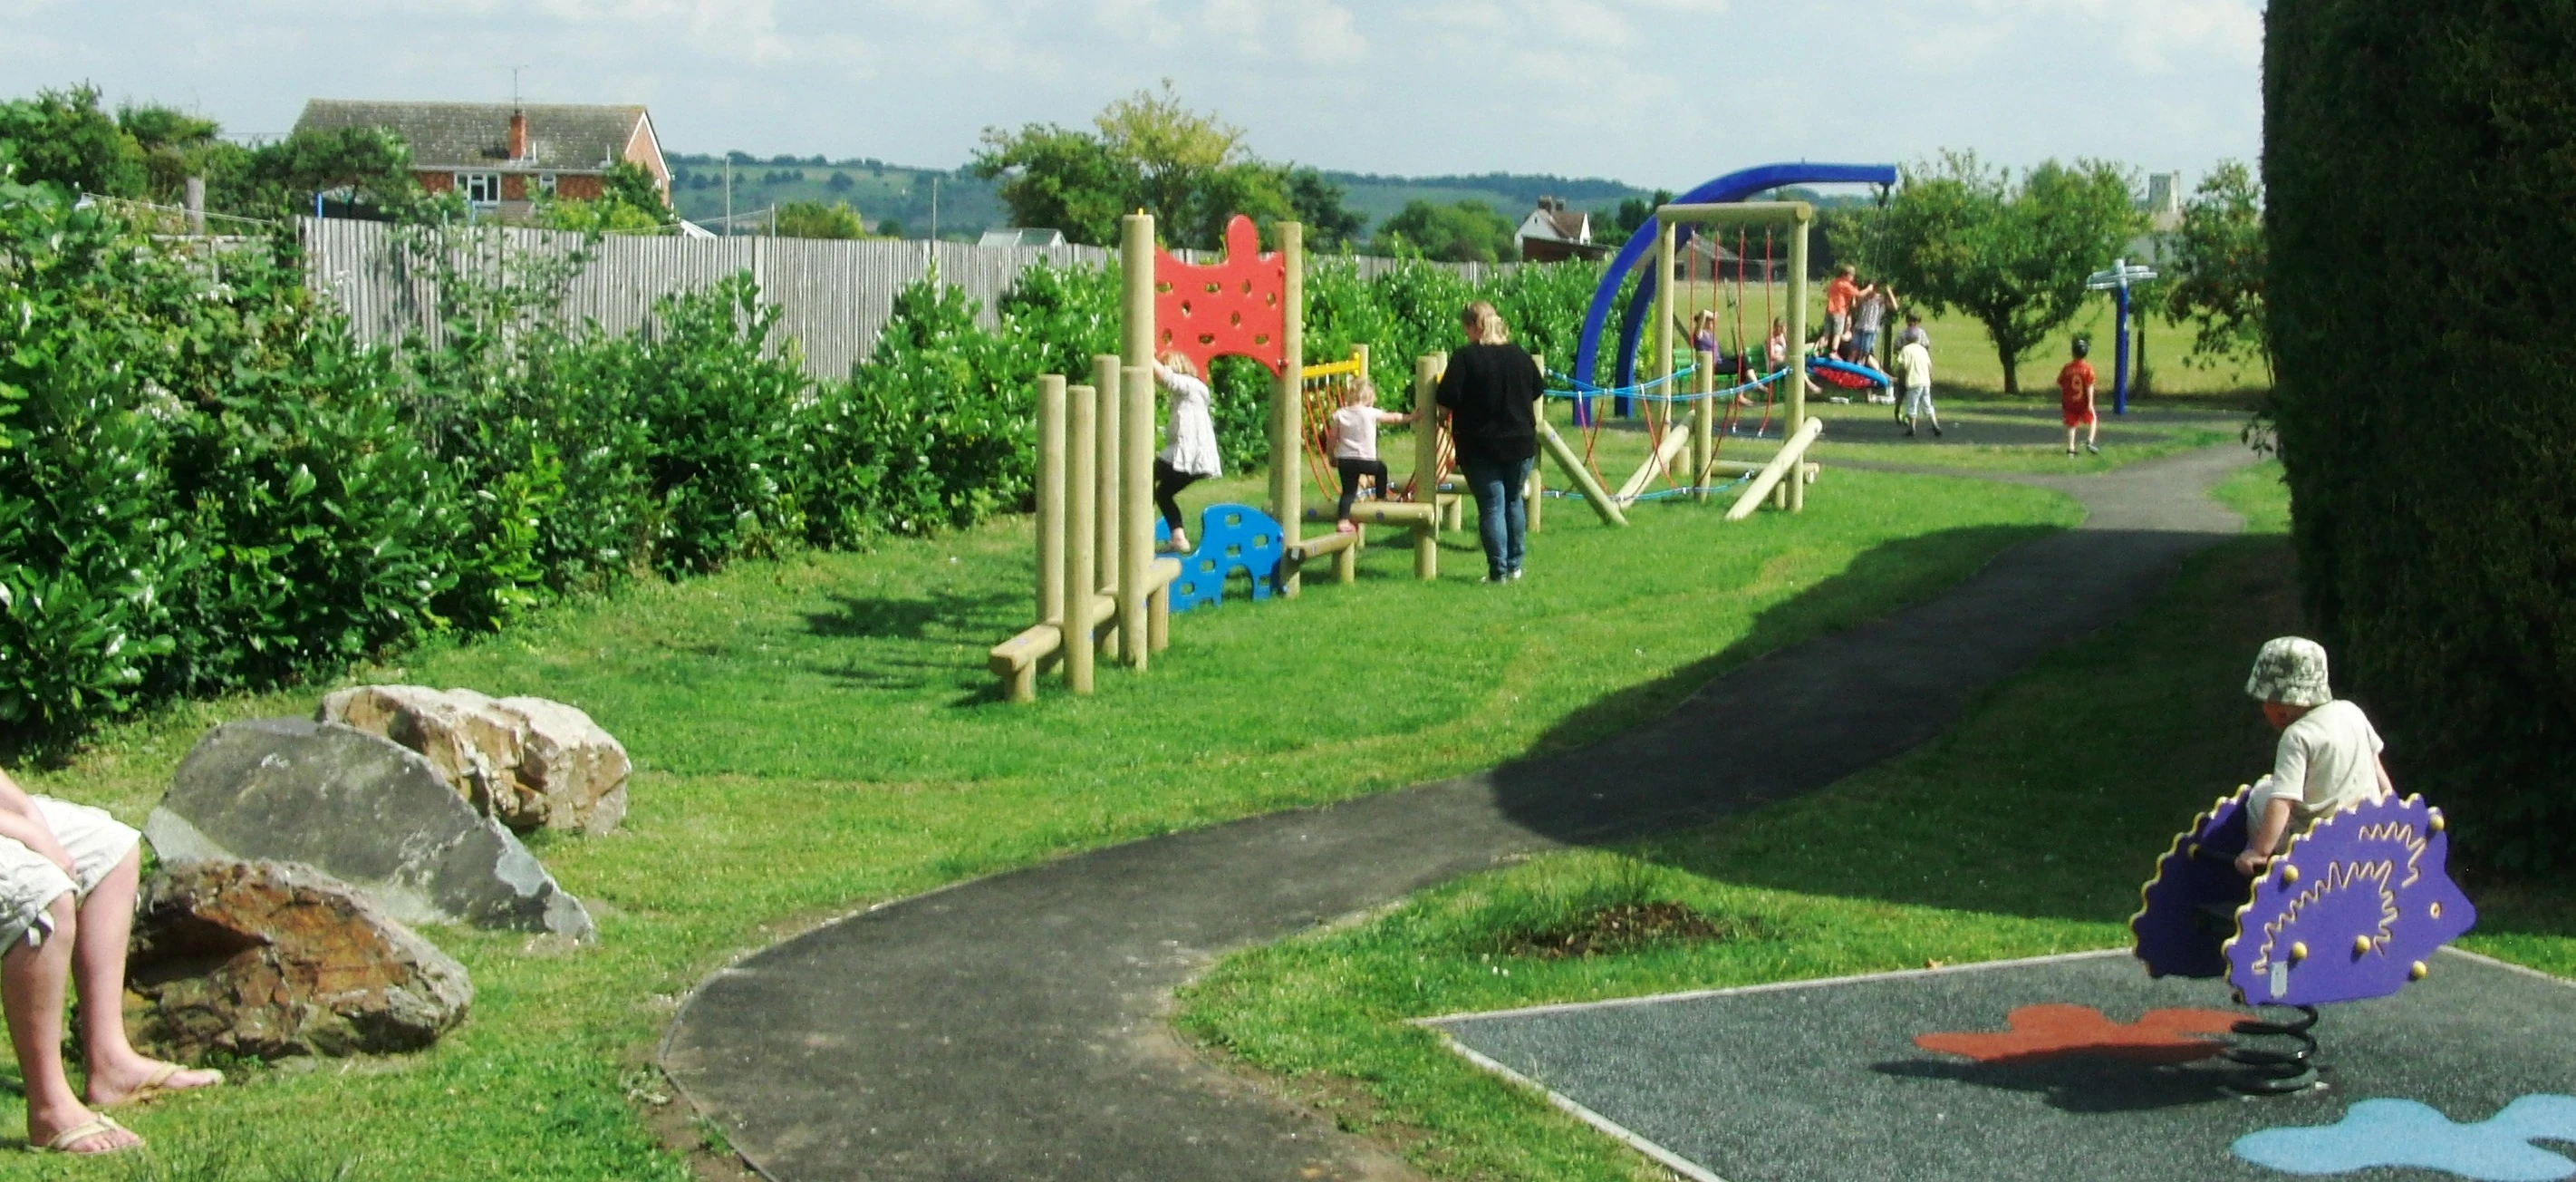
(1847, 375)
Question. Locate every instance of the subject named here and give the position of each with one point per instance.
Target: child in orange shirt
(2075, 399)
(1839, 296)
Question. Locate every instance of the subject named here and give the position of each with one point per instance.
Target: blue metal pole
(2120, 355)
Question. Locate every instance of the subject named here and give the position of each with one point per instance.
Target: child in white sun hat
(2328, 757)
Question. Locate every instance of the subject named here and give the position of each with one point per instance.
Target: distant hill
(967, 206)
(1379, 197)
(878, 190)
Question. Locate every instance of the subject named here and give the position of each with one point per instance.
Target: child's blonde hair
(1179, 362)
(1362, 390)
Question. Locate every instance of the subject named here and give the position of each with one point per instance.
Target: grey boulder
(360, 809)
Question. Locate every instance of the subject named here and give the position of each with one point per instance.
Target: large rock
(360, 809)
(529, 762)
(260, 958)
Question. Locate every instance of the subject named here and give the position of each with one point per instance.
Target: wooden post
(1287, 398)
(1593, 494)
(1136, 514)
(1050, 527)
(1784, 468)
(1136, 279)
(1136, 349)
(1158, 617)
(1108, 528)
(1797, 378)
(1051, 502)
(1664, 305)
(1703, 424)
(1426, 463)
(1083, 481)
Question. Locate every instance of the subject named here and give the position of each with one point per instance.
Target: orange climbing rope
(1320, 394)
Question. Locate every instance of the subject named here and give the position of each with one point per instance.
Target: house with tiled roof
(501, 156)
(1552, 233)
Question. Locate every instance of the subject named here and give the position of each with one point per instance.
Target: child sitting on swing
(2328, 756)
(1353, 431)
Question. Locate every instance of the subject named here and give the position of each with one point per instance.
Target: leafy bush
(936, 430)
(211, 488)
(2423, 400)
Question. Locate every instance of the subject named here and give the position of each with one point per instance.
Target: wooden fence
(833, 296)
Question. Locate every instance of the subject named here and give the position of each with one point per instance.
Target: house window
(480, 188)
(546, 183)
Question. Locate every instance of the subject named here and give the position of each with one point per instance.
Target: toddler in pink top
(1353, 434)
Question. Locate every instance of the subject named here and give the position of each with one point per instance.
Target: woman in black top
(1491, 392)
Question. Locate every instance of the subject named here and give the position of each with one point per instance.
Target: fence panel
(833, 296)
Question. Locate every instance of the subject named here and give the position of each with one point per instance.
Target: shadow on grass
(915, 615)
(2052, 800)
(1858, 594)
(2070, 768)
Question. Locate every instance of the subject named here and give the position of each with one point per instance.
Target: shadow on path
(1013, 1027)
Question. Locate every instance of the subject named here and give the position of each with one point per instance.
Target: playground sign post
(2117, 281)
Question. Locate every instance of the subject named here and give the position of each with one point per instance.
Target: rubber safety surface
(2076, 1067)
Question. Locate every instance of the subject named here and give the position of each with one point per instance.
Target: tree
(1318, 204)
(1467, 232)
(1635, 212)
(1173, 151)
(1147, 152)
(371, 163)
(840, 182)
(1055, 177)
(2217, 260)
(62, 138)
(628, 184)
(1960, 236)
(174, 146)
(813, 219)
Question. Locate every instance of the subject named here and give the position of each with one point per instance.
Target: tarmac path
(1013, 1027)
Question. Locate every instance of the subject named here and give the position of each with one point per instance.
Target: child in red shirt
(2075, 399)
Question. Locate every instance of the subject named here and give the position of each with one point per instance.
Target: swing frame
(1798, 218)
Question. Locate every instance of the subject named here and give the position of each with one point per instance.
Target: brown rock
(274, 959)
(527, 762)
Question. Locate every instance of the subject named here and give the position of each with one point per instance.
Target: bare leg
(98, 971)
(32, 982)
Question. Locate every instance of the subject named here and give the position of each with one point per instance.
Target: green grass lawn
(1869, 433)
(1963, 354)
(817, 734)
(2024, 830)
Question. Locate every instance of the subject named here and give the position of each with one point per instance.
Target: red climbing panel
(1232, 307)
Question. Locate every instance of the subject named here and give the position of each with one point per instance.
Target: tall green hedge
(2421, 165)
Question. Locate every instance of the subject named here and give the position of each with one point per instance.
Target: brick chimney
(518, 135)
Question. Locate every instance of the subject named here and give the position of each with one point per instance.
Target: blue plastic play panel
(2470, 1073)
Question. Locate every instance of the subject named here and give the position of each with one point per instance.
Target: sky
(1658, 93)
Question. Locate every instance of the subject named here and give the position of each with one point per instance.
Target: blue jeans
(1502, 518)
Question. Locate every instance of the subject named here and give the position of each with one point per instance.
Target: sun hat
(2290, 670)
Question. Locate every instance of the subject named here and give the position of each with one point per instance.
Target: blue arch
(1734, 186)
